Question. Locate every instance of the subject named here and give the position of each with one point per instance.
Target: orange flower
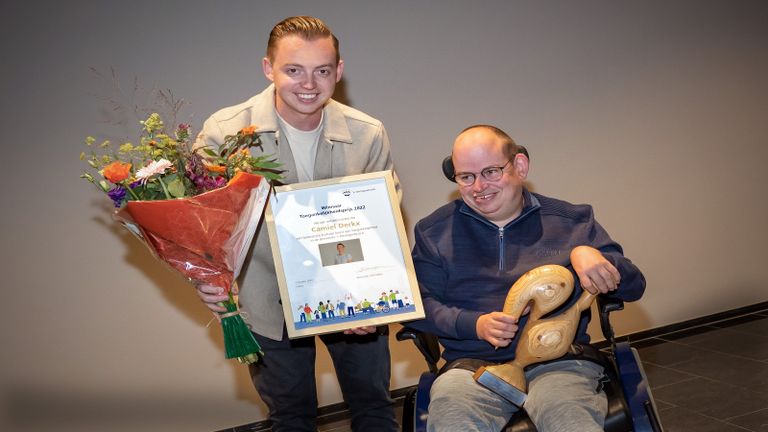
(250, 130)
(116, 171)
(239, 153)
(216, 168)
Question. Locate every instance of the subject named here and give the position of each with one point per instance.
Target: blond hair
(307, 27)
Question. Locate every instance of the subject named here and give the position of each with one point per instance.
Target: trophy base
(500, 387)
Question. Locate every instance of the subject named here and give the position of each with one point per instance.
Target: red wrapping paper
(205, 237)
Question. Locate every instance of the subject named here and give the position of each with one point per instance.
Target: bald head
(481, 151)
(510, 148)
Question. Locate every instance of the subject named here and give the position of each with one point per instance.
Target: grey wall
(654, 112)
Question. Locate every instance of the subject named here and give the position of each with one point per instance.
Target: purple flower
(117, 194)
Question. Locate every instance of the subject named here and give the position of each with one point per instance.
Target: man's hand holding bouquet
(196, 211)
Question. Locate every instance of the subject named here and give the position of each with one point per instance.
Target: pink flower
(154, 167)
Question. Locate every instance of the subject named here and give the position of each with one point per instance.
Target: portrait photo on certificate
(341, 254)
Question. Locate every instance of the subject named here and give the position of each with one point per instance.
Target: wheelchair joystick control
(546, 287)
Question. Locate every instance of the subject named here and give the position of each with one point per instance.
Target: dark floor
(711, 378)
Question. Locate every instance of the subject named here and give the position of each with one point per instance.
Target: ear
(266, 66)
(339, 70)
(521, 165)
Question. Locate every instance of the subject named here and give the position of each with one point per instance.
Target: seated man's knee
(452, 390)
(457, 402)
(566, 397)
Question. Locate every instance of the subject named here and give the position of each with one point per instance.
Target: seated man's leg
(563, 397)
(458, 403)
(285, 380)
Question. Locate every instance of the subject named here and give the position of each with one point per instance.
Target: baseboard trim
(325, 414)
(338, 411)
(690, 324)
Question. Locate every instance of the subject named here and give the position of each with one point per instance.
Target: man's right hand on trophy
(496, 328)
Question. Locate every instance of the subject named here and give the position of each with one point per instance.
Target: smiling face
(305, 73)
(498, 201)
(340, 249)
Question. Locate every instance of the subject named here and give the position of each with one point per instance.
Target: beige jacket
(351, 143)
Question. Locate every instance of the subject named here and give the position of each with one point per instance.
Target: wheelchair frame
(630, 405)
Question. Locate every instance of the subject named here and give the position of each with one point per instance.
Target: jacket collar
(264, 116)
(531, 204)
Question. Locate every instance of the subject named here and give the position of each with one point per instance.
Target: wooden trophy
(547, 287)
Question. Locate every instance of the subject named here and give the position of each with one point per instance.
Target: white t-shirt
(304, 148)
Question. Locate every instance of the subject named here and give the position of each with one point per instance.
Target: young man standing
(313, 137)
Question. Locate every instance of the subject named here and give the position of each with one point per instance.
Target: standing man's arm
(380, 158)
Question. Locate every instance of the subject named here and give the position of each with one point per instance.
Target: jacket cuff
(466, 324)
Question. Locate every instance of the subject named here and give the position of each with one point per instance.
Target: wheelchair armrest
(425, 342)
(605, 306)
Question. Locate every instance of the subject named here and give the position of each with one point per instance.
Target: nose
(309, 82)
(479, 183)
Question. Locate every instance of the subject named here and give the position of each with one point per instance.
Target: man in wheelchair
(467, 255)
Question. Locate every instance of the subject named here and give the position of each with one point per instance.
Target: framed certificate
(341, 254)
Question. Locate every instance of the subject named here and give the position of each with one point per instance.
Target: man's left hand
(361, 331)
(596, 274)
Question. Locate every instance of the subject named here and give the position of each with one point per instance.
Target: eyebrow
(482, 169)
(296, 65)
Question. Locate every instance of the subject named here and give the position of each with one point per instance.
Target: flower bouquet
(196, 211)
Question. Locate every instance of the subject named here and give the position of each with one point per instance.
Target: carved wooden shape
(544, 288)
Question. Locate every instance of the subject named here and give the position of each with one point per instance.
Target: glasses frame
(484, 173)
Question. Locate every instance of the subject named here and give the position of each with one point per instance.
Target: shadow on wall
(181, 295)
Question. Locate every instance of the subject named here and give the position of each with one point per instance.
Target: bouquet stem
(239, 342)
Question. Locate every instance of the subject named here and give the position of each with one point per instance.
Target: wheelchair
(630, 404)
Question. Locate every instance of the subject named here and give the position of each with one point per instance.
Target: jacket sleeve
(632, 284)
(380, 158)
(210, 136)
(441, 319)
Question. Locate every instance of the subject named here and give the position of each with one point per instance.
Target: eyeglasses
(491, 173)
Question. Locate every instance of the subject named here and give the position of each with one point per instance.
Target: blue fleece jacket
(465, 265)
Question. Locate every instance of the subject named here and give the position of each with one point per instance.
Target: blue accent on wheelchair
(636, 391)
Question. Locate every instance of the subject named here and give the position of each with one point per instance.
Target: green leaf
(268, 175)
(176, 188)
(268, 164)
(153, 188)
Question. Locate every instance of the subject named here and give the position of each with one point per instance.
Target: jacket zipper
(501, 231)
(331, 157)
(501, 249)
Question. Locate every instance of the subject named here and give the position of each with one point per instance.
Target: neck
(501, 223)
